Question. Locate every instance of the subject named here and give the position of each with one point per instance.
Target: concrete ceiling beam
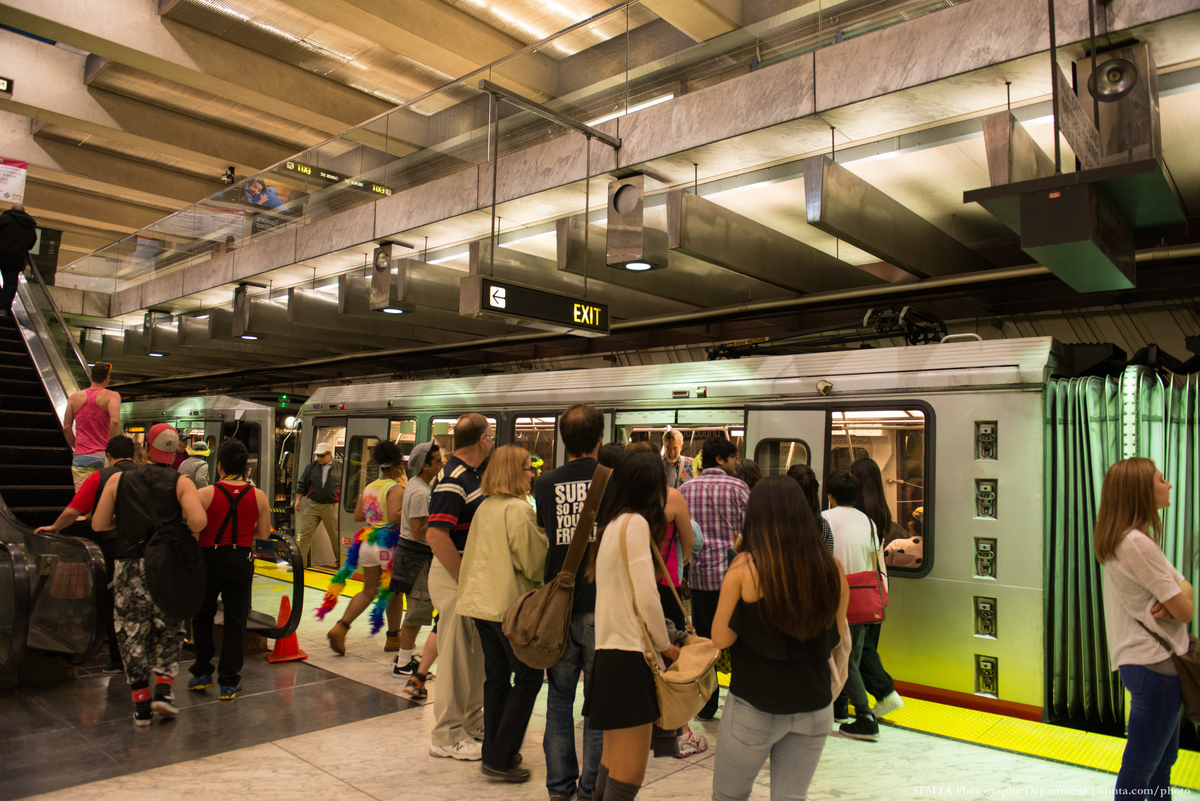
(132, 32)
(49, 88)
(434, 290)
(55, 162)
(700, 19)
(441, 37)
(72, 204)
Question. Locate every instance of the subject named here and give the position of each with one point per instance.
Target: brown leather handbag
(538, 623)
(1188, 668)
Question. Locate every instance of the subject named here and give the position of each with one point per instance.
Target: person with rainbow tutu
(379, 507)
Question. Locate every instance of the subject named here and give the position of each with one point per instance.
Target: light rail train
(955, 427)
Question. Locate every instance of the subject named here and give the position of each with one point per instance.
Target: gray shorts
(410, 578)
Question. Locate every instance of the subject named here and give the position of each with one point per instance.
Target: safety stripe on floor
(1069, 746)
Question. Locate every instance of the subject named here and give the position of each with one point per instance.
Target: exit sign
(487, 298)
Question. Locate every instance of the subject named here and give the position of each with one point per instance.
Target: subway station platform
(337, 727)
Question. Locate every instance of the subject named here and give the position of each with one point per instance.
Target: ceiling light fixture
(156, 355)
(638, 266)
(390, 310)
(250, 337)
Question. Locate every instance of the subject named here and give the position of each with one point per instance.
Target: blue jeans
(748, 736)
(1152, 741)
(88, 461)
(562, 767)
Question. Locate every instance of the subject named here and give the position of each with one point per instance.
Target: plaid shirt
(717, 501)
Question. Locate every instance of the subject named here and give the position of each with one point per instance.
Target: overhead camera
(824, 387)
(228, 178)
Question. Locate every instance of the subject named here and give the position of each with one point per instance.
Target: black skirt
(622, 694)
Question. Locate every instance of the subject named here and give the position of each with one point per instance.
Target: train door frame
(380, 429)
(781, 414)
(508, 421)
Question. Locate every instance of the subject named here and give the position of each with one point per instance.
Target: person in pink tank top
(93, 416)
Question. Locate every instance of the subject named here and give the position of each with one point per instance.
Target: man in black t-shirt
(560, 495)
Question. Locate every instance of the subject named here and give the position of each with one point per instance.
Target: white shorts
(375, 556)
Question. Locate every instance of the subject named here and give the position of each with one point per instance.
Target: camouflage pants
(150, 640)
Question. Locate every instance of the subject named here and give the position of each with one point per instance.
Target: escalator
(52, 586)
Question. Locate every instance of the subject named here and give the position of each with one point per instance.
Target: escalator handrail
(21, 609)
(83, 363)
(99, 574)
(297, 562)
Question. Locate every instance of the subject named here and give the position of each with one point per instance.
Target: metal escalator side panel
(14, 606)
(53, 368)
(68, 582)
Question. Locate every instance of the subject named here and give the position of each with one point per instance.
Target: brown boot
(337, 637)
(393, 641)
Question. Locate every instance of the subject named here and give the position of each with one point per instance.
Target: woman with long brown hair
(781, 612)
(622, 700)
(1147, 606)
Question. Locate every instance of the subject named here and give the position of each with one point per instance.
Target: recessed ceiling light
(249, 336)
(158, 355)
(637, 266)
(393, 311)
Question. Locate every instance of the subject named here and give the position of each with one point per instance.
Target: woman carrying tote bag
(1143, 593)
(781, 612)
(622, 700)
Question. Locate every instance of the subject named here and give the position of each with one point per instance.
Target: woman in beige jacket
(505, 557)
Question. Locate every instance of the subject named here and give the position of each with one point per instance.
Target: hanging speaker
(1117, 77)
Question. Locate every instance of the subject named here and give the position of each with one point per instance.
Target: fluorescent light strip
(638, 107)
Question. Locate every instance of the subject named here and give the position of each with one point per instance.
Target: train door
(780, 437)
(212, 438)
(330, 431)
(359, 470)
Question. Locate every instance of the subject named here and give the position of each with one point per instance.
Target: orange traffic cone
(287, 649)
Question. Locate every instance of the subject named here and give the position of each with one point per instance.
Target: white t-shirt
(852, 538)
(617, 626)
(416, 504)
(1138, 577)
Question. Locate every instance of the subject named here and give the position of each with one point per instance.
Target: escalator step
(13, 346)
(19, 418)
(28, 495)
(25, 403)
(13, 453)
(31, 437)
(24, 386)
(36, 515)
(15, 359)
(43, 475)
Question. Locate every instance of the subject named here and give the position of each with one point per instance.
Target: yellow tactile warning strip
(1097, 751)
(316, 579)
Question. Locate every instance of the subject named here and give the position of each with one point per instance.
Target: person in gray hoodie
(18, 234)
(195, 466)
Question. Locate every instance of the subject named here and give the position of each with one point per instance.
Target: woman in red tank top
(237, 514)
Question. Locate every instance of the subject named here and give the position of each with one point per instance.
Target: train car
(955, 427)
(262, 429)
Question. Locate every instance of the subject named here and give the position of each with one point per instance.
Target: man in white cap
(321, 484)
(151, 641)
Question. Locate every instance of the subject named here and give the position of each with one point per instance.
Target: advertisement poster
(12, 180)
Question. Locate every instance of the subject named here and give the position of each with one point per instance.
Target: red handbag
(868, 594)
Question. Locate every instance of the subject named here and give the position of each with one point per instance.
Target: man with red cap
(151, 641)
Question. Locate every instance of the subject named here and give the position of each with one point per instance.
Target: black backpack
(176, 573)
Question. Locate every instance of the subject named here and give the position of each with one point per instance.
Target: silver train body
(956, 427)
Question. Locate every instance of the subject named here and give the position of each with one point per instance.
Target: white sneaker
(691, 743)
(888, 705)
(476, 735)
(467, 750)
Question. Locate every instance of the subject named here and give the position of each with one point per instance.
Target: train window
(537, 435)
(251, 437)
(895, 440)
(694, 436)
(443, 433)
(403, 432)
(361, 468)
(775, 456)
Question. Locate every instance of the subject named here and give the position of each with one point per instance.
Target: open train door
(359, 470)
(778, 437)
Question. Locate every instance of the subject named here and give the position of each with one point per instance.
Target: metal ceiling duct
(842, 204)
(710, 232)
